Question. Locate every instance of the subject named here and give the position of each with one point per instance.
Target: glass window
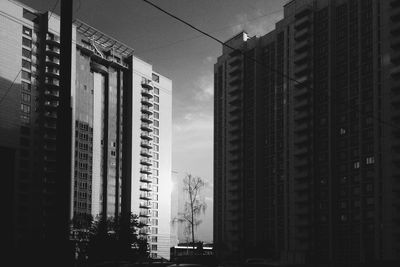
(155, 77)
(156, 107)
(26, 31)
(26, 42)
(156, 91)
(156, 115)
(26, 64)
(26, 98)
(25, 86)
(156, 123)
(26, 53)
(25, 75)
(156, 99)
(25, 108)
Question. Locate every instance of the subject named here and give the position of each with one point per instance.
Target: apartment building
(121, 128)
(306, 136)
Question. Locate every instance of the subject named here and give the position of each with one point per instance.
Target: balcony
(144, 214)
(145, 204)
(146, 101)
(145, 196)
(302, 23)
(51, 94)
(147, 109)
(51, 104)
(145, 152)
(54, 51)
(146, 135)
(147, 118)
(52, 72)
(53, 40)
(52, 126)
(50, 137)
(235, 81)
(146, 161)
(146, 144)
(302, 71)
(146, 93)
(145, 178)
(302, 34)
(146, 126)
(146, 187)
(144, 232)
(51, 148)
(236, 61)
(52, 61)
(302, 46)
(300, 59)
(147, 85)
(235, 71)
(145, 170)
(301, 93)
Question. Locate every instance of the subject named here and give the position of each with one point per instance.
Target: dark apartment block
(306, 137)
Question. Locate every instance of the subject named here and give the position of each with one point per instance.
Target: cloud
(256, 26)
(204, 88)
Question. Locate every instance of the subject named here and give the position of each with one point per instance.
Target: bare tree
(194, 206)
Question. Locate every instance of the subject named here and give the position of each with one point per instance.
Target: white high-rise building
(151, 154)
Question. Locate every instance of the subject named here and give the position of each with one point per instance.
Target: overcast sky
(184, 56)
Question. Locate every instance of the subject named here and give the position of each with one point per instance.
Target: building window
(156, 91)
(156, 123)
(26, 42)
(154, 239)
(26, 64)
(26, 31)
(25, 108)
(25, 86)
(154, 230)
(370, 160)
(155, 78)
(25, 75)
(156, 131)
(26, 53)
(26, 98)
(156, 107)
(154, 213)
(356, 165)
(156, 99)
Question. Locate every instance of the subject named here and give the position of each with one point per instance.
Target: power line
(200, 35)
(19, 72)
(251, 58)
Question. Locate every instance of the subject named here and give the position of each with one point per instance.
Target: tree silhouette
(194, 206)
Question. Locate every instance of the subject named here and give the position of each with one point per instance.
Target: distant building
(307, 137)
(121, 147)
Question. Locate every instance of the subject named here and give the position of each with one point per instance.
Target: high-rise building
(121, 128)
(307, 135)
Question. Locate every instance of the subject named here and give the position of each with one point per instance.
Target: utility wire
(200, 35)
(253, 59)
(19, 72)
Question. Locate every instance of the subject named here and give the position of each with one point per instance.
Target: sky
(183, 55)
